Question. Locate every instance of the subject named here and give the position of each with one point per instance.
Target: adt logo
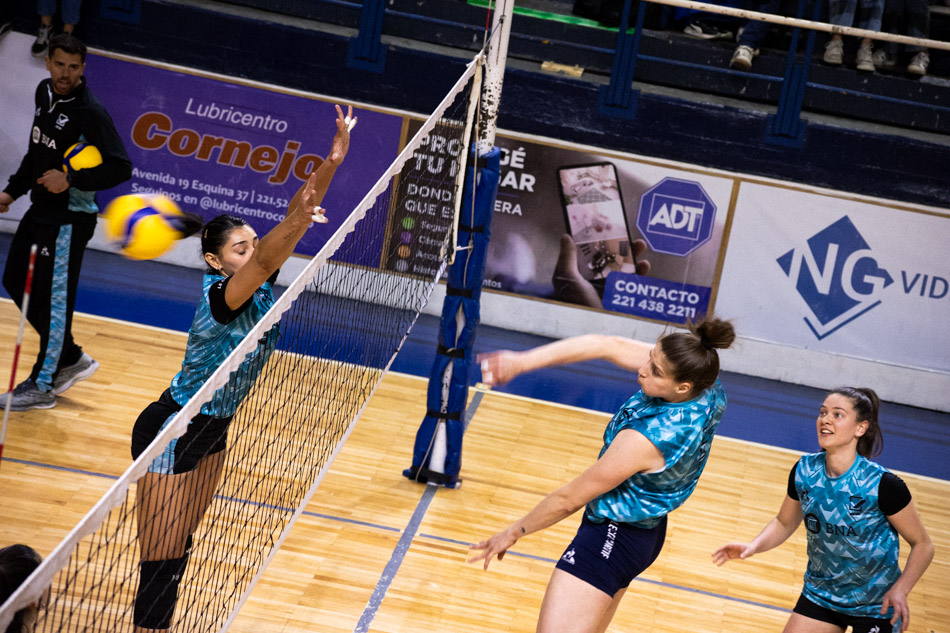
(676, 216)
(840, 280)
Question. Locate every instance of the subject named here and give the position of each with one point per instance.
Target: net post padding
(68, 609)
(448, 379)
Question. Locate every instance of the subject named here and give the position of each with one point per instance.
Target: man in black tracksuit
(61, 219)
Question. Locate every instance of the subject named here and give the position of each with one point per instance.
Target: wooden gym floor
(376, 552)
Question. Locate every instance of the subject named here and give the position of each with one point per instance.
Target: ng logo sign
(837, 276)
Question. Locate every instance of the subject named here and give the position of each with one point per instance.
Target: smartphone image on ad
(595, 218)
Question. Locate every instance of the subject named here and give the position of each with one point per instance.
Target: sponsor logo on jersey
(857, 505)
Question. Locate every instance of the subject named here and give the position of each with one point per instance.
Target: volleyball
(147, 225)
(81, 156)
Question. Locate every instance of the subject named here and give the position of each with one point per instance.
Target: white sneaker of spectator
(883, 59)
(742, 58)
(706, 31)
(918, 65)
(864, 59)
(834, 53)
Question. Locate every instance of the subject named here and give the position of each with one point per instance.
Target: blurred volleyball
(146, 225)
(81, 156)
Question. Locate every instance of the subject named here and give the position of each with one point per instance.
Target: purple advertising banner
(216, 146)
(606, 232)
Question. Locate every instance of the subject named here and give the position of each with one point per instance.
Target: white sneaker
(42, 41)
(834, 53)
(69, 376)
(883, 59)
(742, 58)
(864, 59)
(918, 65)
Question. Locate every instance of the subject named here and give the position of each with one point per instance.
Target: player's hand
(897, 598)
(497, 545)
(499, 367)
(5, 201)
(731, 551)
(341, 140)
(54, 180)
(302, 209)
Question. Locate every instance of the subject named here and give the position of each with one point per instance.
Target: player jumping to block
(177, 490)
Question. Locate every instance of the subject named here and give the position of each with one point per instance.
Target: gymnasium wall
(825, 287)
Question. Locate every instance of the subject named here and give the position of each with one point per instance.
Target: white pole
(494, 74)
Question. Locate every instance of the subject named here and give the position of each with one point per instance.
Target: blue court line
(64, 469)
(402, 547)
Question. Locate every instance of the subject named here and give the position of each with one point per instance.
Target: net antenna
(297, 383)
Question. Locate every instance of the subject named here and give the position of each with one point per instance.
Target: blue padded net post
(437, 454)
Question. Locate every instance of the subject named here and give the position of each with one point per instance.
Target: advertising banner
(843, 276)
(424, 204)
(218, 147)
(606, 232)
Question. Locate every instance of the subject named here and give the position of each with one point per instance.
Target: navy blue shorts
(858, 624)
(205, 436)
(610, 555)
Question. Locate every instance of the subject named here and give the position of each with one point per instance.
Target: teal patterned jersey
(852, 547)
(210, 342)
(683, 432)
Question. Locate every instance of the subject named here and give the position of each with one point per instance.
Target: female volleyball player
(174, 494)
(655, 448)
(854, 509)
(17, 562)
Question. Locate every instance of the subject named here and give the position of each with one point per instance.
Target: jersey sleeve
(792, 490)
(20, 181)
(219, 306)
(892, 494)
(99, 130)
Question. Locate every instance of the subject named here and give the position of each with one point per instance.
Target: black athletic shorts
(610, 555)
(858, 624)
(205, 436)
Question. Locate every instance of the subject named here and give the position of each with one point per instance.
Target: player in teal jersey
(172, 497)
(853, 510)
(655, 448)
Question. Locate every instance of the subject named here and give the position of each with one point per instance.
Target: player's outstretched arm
(772, 535)
(278, 245)
(630, 452)
(501, 367)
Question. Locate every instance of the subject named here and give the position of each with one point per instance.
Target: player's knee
(158, 590)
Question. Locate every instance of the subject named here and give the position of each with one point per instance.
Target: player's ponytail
(692, 355)
(866, 406)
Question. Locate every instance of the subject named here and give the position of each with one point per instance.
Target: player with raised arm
(237, 291)
(655, 448)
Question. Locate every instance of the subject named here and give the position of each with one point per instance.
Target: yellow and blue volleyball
(81, 156)
(146, 225)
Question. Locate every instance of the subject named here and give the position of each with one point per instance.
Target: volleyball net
(296, 386)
